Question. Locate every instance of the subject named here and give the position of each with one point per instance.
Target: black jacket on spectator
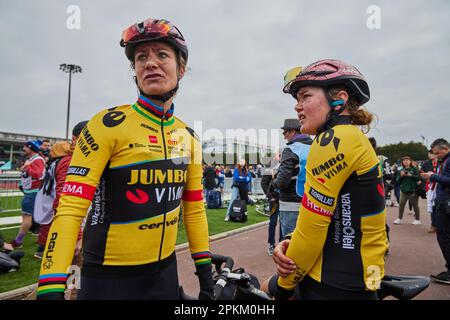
(266, 179)
(427, 166)
(210, 178)
(289, 168)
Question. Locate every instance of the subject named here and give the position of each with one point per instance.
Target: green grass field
(8, 203)
(29, 270)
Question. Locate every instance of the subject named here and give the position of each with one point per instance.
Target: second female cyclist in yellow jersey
(136, 164)
(337, 248)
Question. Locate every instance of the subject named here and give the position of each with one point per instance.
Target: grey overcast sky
(238, 54)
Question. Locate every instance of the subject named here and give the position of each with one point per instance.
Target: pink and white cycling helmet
(327, 74)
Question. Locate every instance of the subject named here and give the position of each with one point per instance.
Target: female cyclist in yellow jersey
(137, 164)
(337, 248)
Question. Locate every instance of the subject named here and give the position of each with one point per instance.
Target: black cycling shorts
(156, 281)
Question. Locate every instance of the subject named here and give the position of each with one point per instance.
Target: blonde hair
(61, 149)
(359, 114)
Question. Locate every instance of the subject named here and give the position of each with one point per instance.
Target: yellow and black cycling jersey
(136, 166)
(340, 237)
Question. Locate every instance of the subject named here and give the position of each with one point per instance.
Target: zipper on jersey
(165, 204)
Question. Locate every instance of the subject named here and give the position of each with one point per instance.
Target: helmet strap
(163, 98)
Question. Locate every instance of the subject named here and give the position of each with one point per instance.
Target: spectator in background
(273, 197)
(441, 148)
(9, 259)
(221, 178)
(395, 172)
(239, 189)
(4, 245)
(252, 171)
(209, 180)
(228, 173)
(45, 149)
(32, 173)
(431, 165)
(259, 171)
(253, 175)
(408, 177)
(291, 174)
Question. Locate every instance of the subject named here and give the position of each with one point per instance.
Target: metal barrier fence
(10, 195)
(256, 191)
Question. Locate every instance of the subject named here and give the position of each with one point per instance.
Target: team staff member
(338, 246)
(137, 164)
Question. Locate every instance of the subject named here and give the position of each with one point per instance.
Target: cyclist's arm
(194, 216)
(92, 153)
(319, 201)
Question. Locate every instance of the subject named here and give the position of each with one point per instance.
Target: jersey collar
(146, 108)
(340, 120)
(154, 109)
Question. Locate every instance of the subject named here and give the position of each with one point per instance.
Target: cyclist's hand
(204, 274)
(277, 292)
(285, 265)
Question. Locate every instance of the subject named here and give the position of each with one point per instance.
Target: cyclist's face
(156, 68)
(312, 108)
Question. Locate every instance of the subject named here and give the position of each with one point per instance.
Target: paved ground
(413, 251)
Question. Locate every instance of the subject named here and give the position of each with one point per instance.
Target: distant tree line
(394, 152)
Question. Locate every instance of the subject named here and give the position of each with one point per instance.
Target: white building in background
(217, 149)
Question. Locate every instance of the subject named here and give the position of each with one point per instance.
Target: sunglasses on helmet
(149, 27)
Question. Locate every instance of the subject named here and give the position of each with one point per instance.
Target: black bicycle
(240, 285)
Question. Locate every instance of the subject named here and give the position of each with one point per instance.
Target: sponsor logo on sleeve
(78, 171)
(78, 189)
(48, 259)
(311, 206)
(328, 201)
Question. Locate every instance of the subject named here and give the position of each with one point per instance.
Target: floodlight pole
(70, 68)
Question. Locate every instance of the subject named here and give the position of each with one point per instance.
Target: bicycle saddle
(403, 287)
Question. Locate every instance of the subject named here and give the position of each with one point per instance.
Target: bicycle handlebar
(218, 260)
